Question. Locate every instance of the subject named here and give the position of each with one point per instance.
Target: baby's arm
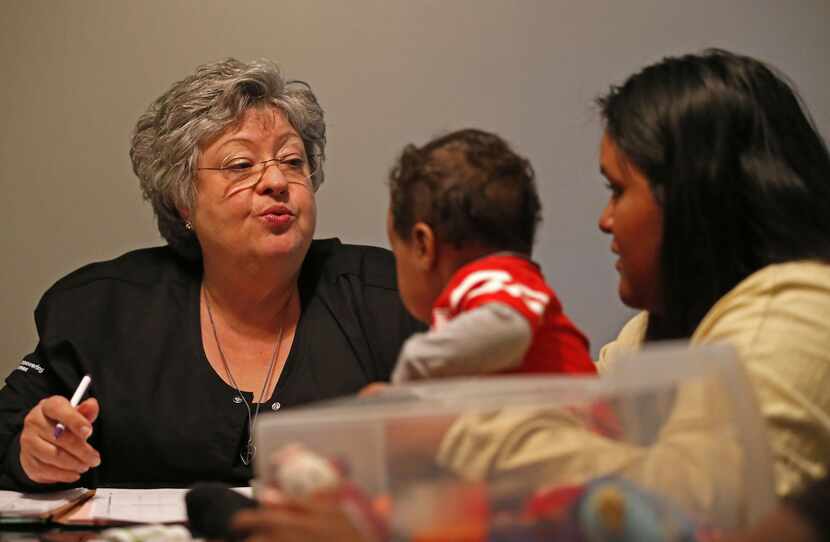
(491, 337)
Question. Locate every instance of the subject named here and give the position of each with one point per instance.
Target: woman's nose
(606, 219)
(273, 180)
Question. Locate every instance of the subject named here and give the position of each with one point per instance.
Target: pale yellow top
(779, 321)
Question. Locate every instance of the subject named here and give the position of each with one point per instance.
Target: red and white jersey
(513, 280)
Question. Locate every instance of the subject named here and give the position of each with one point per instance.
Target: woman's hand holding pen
(47, 458)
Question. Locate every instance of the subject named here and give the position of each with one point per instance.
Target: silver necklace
(249, 450)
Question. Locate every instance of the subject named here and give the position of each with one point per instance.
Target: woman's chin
(284, 246)
(635, 299)
(628, 297)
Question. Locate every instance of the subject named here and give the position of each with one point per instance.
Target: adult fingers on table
(306, 523)
(375, 388)
(271, 522)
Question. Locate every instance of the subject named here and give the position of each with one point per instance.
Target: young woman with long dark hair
(720, 214)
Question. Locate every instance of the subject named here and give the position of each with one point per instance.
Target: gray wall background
(76, 75)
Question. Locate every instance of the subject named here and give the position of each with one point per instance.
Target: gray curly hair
(165, 143)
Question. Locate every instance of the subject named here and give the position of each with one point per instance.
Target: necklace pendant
(248, 453)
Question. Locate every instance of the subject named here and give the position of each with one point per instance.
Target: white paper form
(139, 505)
(13, 503)
(112, 505)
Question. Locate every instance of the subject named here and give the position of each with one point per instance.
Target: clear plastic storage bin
(672, 439)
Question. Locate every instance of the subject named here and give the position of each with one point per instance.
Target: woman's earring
(188, 226)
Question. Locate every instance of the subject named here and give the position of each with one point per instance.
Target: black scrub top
(167, 419)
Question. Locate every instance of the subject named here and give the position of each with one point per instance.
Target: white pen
(76, 398)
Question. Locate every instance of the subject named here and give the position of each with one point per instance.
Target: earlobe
(423, 239)
(184, 213)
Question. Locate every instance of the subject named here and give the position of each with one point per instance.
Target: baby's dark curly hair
(468, 186)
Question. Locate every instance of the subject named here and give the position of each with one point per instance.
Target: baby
(462, 217)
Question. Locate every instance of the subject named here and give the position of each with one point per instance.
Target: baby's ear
(424, 243)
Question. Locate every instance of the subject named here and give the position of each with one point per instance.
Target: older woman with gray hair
(240, 314)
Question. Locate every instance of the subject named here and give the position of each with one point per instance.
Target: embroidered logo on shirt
(25, 365)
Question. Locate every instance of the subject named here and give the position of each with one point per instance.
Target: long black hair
(738, 167)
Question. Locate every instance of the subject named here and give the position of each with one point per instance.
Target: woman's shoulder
(778, 291)
(777, 320)
(793, 296)
(142, 267)
(776, 278)
(333, 260)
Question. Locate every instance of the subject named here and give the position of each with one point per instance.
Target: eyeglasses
(294, 168)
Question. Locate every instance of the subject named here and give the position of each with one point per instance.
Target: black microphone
(210, 508)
